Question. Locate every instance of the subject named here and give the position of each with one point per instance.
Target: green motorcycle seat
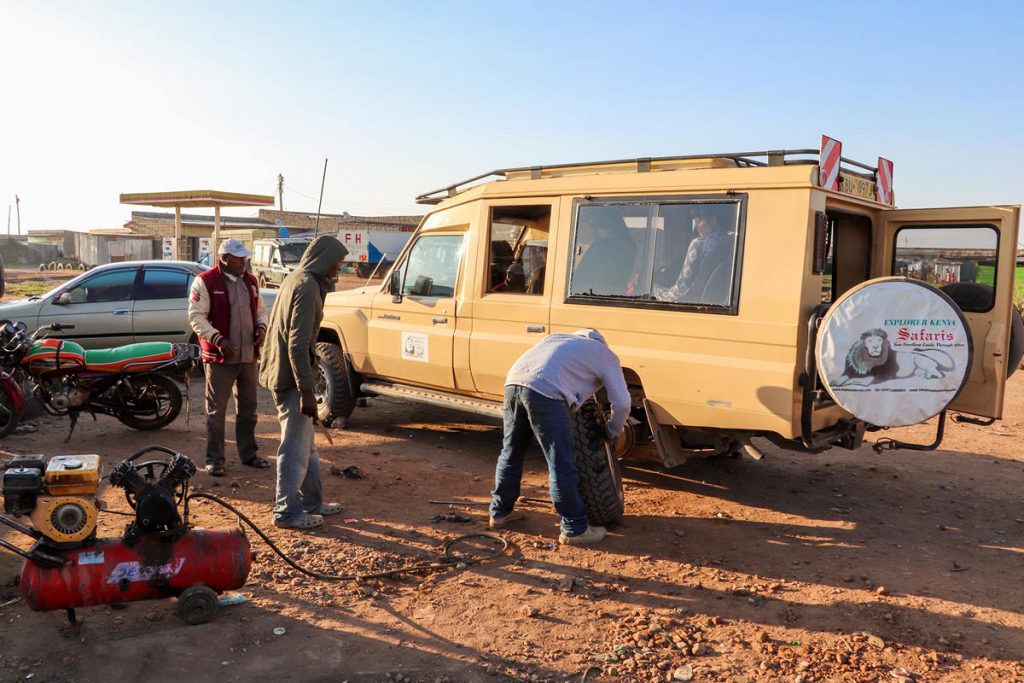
(130, 358)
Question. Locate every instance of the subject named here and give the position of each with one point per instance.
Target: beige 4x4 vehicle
(713, 278)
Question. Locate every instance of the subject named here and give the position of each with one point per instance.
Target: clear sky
(100, 98)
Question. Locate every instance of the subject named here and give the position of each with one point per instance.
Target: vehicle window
(609, 246)
(105, 287)
(674, 253)
(958, 259)
(432, 266)
(291, 254)
(162, 283)
(845, 252)
(517, 258)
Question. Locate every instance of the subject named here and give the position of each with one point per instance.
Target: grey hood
(321, 255)
(591, 333)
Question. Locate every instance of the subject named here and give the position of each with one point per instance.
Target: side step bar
(432, 397)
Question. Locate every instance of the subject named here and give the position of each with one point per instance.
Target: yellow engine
(60, 499)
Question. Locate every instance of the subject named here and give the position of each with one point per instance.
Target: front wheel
(9, 418)
(335, 395)
(600, 477)
(155, 404)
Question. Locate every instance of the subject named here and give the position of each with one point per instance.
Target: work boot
(592, 535)
(505, 520)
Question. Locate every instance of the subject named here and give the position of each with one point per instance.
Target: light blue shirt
(570, 368)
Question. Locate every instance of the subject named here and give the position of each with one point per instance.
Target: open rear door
(969, 253)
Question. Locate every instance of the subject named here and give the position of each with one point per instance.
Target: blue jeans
(529, 414)
(298, 462)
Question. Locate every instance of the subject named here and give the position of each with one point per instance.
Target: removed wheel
(335, 395)
(197, 604)
(599, 472)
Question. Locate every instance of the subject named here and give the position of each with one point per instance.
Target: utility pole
(316, 230)
(17, 204)
(280, 192)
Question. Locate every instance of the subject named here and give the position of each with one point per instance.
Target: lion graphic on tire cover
(872, 360)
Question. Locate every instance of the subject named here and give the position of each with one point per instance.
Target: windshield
(291, 254)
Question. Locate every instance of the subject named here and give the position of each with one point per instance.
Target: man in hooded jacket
(287, 369)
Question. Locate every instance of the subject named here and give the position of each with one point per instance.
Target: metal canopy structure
(196, 199)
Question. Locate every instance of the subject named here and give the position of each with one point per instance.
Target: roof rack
(780, 157)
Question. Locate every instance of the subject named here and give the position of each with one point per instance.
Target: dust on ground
(842, 566)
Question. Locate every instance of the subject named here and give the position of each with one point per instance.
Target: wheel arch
(331, 335)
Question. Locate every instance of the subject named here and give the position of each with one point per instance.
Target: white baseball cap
(233, 247)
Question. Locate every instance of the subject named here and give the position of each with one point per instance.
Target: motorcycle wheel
(9, 419)
(158, 405)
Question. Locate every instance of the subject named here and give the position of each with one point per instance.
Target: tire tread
(600, 483)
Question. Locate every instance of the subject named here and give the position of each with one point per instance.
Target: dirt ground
(843, 566)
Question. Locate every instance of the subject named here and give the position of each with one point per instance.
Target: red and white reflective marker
(828, 163)
(884, 184)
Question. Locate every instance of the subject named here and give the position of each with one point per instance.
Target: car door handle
(440, 320)
(534, 328)
(122, 311)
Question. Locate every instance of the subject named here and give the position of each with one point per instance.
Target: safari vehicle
(722, 339)
(272, 259)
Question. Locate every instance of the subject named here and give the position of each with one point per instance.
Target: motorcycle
(129, 382)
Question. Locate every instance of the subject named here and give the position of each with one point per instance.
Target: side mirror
(62, 299)
(395, 287)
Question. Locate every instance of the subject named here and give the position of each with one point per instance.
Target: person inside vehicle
(543, 387)
(607, 264)
(502, 259)
(703, 278)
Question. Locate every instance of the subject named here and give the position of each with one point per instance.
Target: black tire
(158, 406)
(9, 419)
(262, 281)
(197, 604)
(599, 471)
(335, 394)
(1016, 342)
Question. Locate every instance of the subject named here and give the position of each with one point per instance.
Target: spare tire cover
(894, 351)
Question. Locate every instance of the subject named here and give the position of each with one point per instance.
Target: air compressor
(159, 555)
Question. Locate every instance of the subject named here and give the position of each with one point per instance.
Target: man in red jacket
(228, 314)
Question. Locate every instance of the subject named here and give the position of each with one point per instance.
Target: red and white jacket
(209, 311)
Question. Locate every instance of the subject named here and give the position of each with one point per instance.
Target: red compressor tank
(109, 571)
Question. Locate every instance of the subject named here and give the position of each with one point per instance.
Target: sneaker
(592, 535)
(329, 509)
(505, 520)
(306, 521)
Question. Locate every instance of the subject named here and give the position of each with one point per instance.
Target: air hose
(449, 558)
